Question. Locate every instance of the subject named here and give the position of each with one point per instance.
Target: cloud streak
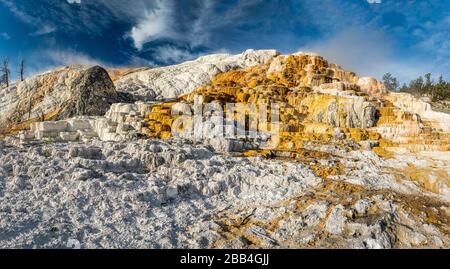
(154, 24)
(54, 58)
(5, 36)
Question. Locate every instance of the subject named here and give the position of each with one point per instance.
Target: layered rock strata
(318, 101)
(121, 122)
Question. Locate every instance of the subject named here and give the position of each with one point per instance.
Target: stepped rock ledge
(115, 158)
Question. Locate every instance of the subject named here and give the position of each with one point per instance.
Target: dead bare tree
(22, 70)
(5, 72)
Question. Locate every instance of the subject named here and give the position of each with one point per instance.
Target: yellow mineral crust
(319, 102)
(16, 128)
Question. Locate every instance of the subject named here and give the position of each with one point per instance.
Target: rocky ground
(175, 194)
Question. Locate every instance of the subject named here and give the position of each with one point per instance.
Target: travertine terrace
(95, 158)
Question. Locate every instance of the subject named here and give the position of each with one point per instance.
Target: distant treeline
(423, 86)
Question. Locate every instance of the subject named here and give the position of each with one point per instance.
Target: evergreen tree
(416, 86)
(404, 88)
(390, 82)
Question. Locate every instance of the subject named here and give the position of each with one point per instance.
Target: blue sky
(405, 37)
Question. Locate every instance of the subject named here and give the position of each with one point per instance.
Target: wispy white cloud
(42, 28)
(18, 13)
(154, 24)
(163, 20)
(369, 52)
(171, 54)
(406, 38)
(69, 16)
(5, 36)
(196, 23)
(43, 60)
(435, 39)
(355, 48)
(69, 57)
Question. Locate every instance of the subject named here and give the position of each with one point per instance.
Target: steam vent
(255, 150)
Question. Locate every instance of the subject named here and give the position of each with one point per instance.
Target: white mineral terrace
(109, 181)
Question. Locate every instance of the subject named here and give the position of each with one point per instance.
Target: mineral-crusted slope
(344, 164)
(58, 94)
(173, 81)
(320, 102)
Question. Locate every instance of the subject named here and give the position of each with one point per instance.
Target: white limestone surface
(408, 102)
(121, 122)
(172, 81)
(173, 194)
